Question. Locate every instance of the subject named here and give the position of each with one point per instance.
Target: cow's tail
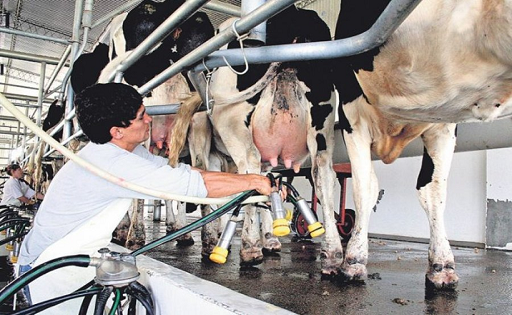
(37, 176)
(33, 168)
(178, 133)
(252, 90)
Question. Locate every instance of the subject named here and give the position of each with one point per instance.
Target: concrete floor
(292, 278)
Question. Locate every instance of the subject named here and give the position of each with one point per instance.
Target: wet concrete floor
(396, 285)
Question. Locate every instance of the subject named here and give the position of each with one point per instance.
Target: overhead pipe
(153, 110)
(31, 35)
(198, 80)
(57, 69)
(8, 132)
(54, 91)
(264, 12)
(77, 20)
(161, 32)
(9, 118)
(25, 105)
(107, 176)
(19, 86)
(213, 5)
(222, 7)
(27, 56)
(394, 14)
(86, 25)
(25, 98)
(258, 35)
(75, 38)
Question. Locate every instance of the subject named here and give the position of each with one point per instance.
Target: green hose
(115, 305)
(84, 260)
(197, 224)
(39, 307)
(20, 282)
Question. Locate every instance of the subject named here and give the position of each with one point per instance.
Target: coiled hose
(25, 279)
(142, 295)
(101, 300)
(39, 307)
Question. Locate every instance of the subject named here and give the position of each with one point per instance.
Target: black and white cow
(449, 62)
(278, 114)
(126, 32)
(40, 171)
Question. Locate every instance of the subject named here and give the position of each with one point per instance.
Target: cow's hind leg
(136, 237)
(365, 193)
(432, 187)
(270, 242)
(120, 234)
(230, 125)
(209, 233)
(321, 147)
(174, 222)
(251, 252)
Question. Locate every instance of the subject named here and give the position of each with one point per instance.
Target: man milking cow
(80, 209)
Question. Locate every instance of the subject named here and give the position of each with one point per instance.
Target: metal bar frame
(222, 7)
(19, 86)
(28, 57)
(160, 33)
(31, 35)
(256, 17)
(57, 69)
(395, 13)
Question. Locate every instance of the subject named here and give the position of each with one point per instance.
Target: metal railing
(395, 13)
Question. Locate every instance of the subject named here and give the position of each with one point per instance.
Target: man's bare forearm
(221, 184)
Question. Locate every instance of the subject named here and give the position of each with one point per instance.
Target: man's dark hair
(103, 106)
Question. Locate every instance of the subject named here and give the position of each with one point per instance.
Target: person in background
(81, 209)
(16, 191)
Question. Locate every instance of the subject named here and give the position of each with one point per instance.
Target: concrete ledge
(424, 240)
(178, 292)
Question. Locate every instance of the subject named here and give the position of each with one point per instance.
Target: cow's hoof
(441, 277)
(250, 263)
(270, 253)
(169, 230)
(330, 262)
(207, 249)
(251, 256)
(271, 245)
(353, 272)
(185, 242)
(208, 244)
